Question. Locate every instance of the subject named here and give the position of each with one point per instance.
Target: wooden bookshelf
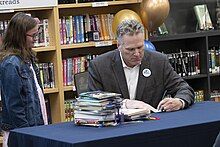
(70, 50)
(48, 54)
(69, 88)
(55, 51)
(51, 90)
(45, 49)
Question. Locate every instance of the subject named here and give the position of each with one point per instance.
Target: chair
(81, 82)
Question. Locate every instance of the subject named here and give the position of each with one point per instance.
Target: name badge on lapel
(146, 72)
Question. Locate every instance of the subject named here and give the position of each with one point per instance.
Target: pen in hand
(159, 107)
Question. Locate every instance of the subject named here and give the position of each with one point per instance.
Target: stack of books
(96, 108)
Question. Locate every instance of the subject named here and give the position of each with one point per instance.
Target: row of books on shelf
(74, 65)
(3, 26)
(199, 95)
(42, 39)
(84, 28)
(215, 95)
(214, 59)
(66, 1)
(46, 71)
(69, 109)
(185, 63)
(48, 108)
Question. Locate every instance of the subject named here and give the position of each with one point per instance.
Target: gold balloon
(123, 15)
(153, 13)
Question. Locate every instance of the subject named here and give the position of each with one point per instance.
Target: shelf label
(22, 4)
(99, 4)
(103, 43)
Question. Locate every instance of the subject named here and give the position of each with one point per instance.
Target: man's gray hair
(129, 27)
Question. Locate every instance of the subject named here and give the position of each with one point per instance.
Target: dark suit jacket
(217, 141)
(106, 73)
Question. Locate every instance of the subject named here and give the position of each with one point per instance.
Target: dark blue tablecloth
(197, 126)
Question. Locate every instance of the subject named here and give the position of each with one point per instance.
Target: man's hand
(170, 104)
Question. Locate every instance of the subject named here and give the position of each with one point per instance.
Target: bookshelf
(48, 53)
(181, 24)
(91, 47)
(55, 52)
(201, 42)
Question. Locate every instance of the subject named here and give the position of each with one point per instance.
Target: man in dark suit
(142, 77)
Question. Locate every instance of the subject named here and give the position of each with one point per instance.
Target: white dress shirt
(131, 75)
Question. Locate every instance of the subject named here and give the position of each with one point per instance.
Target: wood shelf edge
(81, 5)
(69, 88)
(83, 45)
(44, 49)
(1, 139)
(51, 90)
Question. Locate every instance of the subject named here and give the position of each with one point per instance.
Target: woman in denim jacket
(23, 102)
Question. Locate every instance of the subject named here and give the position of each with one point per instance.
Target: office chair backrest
(81, 82)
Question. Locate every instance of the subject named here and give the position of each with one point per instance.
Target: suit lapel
(119, 74)
(142, 80)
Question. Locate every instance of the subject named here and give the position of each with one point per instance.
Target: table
(196, 126)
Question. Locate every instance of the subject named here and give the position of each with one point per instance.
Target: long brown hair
(14, 39)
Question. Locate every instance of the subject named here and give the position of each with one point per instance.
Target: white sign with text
(21, 4)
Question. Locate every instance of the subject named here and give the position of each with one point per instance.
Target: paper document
(131, 112)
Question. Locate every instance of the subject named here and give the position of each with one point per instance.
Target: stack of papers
(133, 114)
(96, 108)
